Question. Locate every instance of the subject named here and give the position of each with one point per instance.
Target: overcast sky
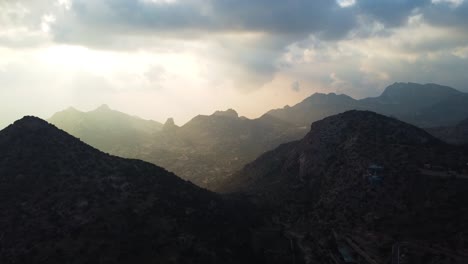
(178, 58)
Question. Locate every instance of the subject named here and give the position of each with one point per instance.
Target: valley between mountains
(208, 150)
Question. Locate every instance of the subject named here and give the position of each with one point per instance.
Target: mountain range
(210, 148)
(427, 105)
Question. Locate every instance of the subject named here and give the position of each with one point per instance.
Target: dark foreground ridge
(359, 186)
(65, 202)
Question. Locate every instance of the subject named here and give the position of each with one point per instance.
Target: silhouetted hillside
(65, 202)
(368, 179)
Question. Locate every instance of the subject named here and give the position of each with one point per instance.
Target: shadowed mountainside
(322, 189)
(65, 202)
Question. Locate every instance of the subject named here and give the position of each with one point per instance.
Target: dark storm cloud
(197, 17)
(444, 14)
(286, 17)
(291, 19)
(100, 23)
(391, 13)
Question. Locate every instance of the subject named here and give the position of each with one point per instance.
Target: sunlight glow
(346, 3)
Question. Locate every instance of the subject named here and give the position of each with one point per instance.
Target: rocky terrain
(65, 202)
(325, 194)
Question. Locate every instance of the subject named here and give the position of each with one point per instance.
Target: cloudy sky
(179, 58)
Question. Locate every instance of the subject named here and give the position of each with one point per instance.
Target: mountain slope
(106, 129)
(322, 188)
(448, 112)
(422, 105)
(65, 202)
(455, 135)
(314, 108)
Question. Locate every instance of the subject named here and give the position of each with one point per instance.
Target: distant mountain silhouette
(425, 105)
(448, 112)
(415, 94)
(108, 130)
(65, 202)
(360, 178)
(315, 108)
(455, 134)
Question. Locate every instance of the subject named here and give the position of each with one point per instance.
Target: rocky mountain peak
(228, 113)
(169, 124)
(399, 90)
(103, 107)
(330, 98)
